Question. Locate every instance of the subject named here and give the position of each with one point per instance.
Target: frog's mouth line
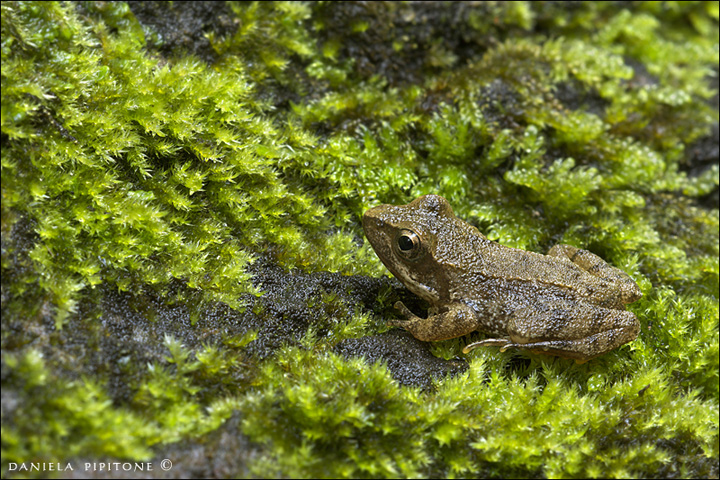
(412, 283)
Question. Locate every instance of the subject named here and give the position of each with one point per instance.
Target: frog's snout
(372, 221)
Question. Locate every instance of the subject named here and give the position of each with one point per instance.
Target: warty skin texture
(569, 303)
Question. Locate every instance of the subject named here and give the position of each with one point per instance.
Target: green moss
(129, 165)
(327, 417)
(67, 419)
(153, 150)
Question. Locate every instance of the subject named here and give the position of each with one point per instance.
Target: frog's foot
(459, 319)
(557, 348)
(411, 321)
(411, 317)
(545, 348)
(503, 343)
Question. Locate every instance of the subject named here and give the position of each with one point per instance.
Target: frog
(569, 303)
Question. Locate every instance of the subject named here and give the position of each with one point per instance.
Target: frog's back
(528, 274)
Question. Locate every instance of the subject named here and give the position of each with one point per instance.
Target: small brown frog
(568, 303)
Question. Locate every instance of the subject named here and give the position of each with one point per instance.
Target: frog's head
(416, 242)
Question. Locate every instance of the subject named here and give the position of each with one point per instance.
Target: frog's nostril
(372, 221)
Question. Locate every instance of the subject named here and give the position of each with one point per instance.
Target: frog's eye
(408, 244)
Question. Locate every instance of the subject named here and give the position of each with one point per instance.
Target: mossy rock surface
(184, 273)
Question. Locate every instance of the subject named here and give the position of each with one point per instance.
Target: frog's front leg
(580, 332)
(457, 320)
(594, 265)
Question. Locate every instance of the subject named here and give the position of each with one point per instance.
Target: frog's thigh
(460, 319)
(579, 332)
(595, 265)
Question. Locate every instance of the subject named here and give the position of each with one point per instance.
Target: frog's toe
(562, 349)
(409, 316)
(397, 322)
(400, 306)
(503, 343)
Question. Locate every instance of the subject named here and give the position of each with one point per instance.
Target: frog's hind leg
(595, 265)
(577, 332)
